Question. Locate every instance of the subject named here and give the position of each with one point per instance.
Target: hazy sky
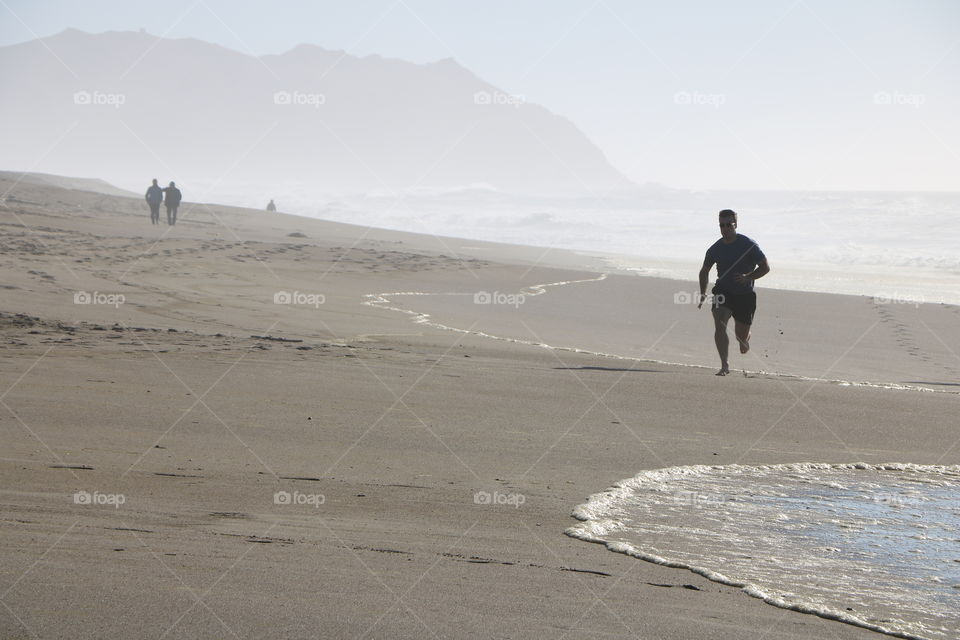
(797, 94)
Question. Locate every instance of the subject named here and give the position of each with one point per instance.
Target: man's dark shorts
(742, 305)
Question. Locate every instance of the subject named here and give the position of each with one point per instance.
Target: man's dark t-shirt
(173, 196)
(154, 194)
(740, 256)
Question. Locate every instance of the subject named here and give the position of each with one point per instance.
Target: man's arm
(763, 268)
(704, 279)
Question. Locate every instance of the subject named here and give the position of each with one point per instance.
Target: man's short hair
(729, 213)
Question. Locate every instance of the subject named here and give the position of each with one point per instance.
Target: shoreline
(594, 527)
(383, 301)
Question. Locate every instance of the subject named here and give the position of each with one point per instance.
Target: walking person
(271, 207)
(154, 197)
(171, 199)
(740, 262)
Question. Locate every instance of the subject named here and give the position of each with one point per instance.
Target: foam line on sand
(384, 301)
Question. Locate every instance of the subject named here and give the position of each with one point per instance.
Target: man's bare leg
(721, 315)
(742, 332)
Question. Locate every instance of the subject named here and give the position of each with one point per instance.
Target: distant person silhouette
(271, 207)
(154, 197)
(171, 200)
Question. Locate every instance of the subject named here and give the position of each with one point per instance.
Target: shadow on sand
(610, 369)
(939, 384)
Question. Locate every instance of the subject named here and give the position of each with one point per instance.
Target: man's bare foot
(744, 344)
(724, 370)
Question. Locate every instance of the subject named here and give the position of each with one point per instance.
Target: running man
(739, 262)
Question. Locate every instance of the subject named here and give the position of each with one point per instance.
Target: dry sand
(198, 398)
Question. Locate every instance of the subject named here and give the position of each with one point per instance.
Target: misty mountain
(94, 185)
(131, 106)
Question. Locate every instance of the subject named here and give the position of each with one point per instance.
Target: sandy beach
(258, 425)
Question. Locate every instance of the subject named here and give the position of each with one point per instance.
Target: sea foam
(877, 546)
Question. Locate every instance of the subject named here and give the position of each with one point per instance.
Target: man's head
(155, 182)
(172, 184)
(728, 223)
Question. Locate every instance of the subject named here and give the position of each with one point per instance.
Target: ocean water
(895, 246)
(876, 546)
